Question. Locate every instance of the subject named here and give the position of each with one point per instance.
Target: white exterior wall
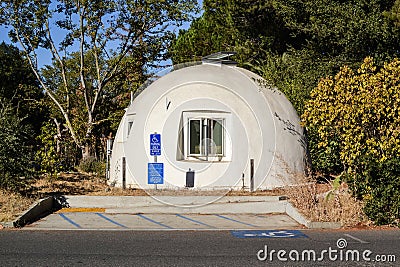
(260, 124)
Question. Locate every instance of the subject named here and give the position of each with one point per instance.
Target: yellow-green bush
(357, 114)
(361, 110)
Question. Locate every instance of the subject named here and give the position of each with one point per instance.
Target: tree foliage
(21, 115)
(249, 27)
(394, 14)
(103, 34)
(19, 86)
(114, 99)
(382, 198)
(293, 44)
(15, 153)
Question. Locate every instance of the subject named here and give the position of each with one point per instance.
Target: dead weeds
(12, 205)
(324, 203)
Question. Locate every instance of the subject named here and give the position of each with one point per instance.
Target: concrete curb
(298, 217)
(38, 210)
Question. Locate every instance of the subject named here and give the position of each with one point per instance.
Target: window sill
(204, 159)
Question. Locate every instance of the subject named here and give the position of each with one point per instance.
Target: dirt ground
(83, 184)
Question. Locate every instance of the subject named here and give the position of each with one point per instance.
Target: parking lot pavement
(156, 221)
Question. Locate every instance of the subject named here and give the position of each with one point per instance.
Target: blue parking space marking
(269, 234)
(193, 220)
(153, 221)
(233, 220)
(62, 215)
(111, 221)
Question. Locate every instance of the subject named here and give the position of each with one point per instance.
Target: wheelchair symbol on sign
(273, 234)
(155, 144)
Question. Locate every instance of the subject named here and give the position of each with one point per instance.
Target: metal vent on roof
(220, 58)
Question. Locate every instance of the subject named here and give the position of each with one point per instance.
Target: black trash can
(190, 178)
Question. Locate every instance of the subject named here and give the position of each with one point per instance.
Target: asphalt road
(197, 248)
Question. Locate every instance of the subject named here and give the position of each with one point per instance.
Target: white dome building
(209, 125)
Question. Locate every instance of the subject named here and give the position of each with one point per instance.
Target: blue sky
(44, 57)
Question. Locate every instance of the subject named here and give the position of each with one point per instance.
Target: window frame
(130, 125)
(206, 135)
(189, 134)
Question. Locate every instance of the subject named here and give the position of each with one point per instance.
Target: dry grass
(323, 203)
(68, 184)
(12, 205)
(84, 184)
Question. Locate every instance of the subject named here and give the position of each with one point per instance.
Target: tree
(212, 32)
(112, 102)
(109, 31)
(394, 14)
(248, 27)
(19, 86)
(15, 155)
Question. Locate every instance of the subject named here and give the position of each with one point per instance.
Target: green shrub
(15, 154)
(382, 202)
(92, 165)
(47, 156)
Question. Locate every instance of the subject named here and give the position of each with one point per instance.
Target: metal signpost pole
(251, 175)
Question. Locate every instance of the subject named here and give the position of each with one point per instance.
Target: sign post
(155, 170)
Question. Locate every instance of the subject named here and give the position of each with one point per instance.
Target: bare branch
(47, 91)
(81, 12)
(56, 55)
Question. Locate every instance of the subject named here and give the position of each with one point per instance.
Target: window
(130, 124)
(206, 137)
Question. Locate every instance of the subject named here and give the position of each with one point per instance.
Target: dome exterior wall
(219, 122)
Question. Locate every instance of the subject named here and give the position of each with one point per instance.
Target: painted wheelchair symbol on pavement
(268, 234)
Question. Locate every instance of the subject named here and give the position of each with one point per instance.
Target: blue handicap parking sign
(155, 144)
(268, 234)
(155, 173)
